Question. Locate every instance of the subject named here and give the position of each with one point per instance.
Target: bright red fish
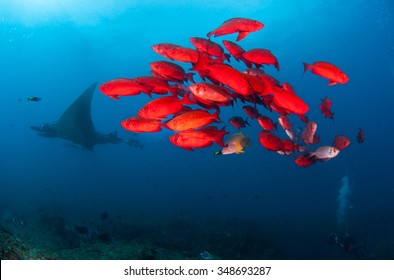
(288, 146)
(288, 88)
(341, 142)
(211, 92)
(241, 25)
(123, 87)
(305, 160)
(270, 84)
(325, 108)
(183, 54)
(198, 138)
(328, 71)
(260, 57)
(256, 84)
(290, 102)
(138, 124)
(236, 51)
(270, 141)
(163, 49)
(192, 119)
(162, 107)
(158, 86)
(210, 48)
(171, 71)
(266, 123)
(222, 73)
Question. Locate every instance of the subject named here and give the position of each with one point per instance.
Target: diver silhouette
(348, 243)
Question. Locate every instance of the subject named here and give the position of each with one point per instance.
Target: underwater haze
(149, 199)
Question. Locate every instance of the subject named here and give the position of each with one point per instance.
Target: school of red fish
(184, 105)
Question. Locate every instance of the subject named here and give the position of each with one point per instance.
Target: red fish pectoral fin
(114, 97)
(188, 149)
(173, 90)
(227, 57)
(246, 122)
(187, 99)
(242, 35)
(331, 83)
(247, 63)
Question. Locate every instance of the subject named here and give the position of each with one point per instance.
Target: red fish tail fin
(114, 97)
(219, 140)
(306, 66)
(332, 116)
(219, 137)
(200, 66)
(164, 124)
(174, 90)
(187, 100)
(246, 121)
(232, 103)
(216, 117)
(227, 57)
(189, 77)
(190, 149)
(242, 35)
(147, 90)
(247, 63)
(223, 129)
(148, 93)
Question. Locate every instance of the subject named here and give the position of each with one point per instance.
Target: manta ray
(76, 125)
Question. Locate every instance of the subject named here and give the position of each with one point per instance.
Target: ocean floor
(52, 238)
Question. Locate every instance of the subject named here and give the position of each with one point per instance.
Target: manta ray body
(76, 124)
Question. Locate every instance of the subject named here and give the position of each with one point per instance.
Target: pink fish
(325, 153)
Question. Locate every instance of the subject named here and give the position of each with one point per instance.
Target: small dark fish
(34, 98)
(104, 216)
(360, 135)
(238, 122)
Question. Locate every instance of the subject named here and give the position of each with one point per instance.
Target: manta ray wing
(76, 123)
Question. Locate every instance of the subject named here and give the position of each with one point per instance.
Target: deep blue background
(55, 51)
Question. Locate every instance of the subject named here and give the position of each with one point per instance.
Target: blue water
(56, 50)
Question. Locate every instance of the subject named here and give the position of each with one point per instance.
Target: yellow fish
(235, 144)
